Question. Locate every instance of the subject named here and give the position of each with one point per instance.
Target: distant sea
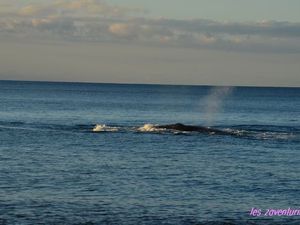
(80, 153)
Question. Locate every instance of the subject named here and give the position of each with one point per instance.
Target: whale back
(182, 127)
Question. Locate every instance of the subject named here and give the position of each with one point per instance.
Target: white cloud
(120, 29)
(30, 10)
(76, 7)
(97, 20)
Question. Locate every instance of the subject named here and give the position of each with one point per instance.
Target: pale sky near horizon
(225, 42)
(231, 10)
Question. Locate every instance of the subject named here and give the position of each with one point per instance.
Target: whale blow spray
(213, 103)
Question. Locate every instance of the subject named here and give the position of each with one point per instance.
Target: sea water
(79, 153)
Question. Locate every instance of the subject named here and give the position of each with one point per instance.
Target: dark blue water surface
(55, 170)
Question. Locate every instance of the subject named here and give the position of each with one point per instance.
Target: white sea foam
(263, 135)
(150, 128)
(278, 136)
(104, 128)
(235, 131)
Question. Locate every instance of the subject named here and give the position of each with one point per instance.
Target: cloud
(262, 36)
(77, 7)
(30, 10)
(120, 29)
(97, 20)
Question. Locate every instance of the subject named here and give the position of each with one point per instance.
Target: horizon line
(158, 84)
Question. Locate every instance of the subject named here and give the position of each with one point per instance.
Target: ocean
(82, 153)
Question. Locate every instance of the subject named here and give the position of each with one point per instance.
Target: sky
(198, 42)
(231, 10)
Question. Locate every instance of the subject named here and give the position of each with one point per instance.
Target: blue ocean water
(54, 169)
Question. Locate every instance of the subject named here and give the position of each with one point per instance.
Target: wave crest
(104, 128)
(148, 127)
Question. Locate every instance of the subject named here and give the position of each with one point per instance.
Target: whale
(183, 127)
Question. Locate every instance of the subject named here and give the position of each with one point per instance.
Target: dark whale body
(182, 127)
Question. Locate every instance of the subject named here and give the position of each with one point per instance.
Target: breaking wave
(265, 132)
(148, 127)
(104, 128)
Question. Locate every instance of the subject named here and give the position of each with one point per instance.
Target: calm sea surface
(55, 170)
